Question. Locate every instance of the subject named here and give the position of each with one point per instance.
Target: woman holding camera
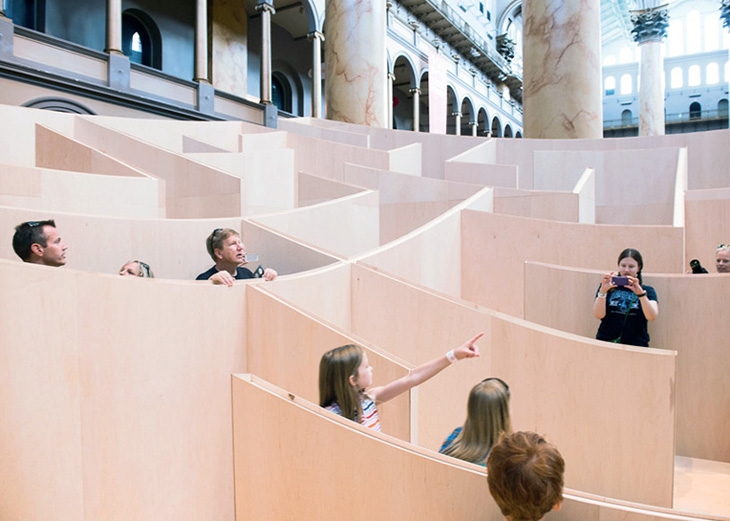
(623, 304)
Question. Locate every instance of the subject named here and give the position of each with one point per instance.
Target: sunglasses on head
(495, 379)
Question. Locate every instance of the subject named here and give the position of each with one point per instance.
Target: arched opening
(281, 92)
(722, 108)
(141, 40)
(507, 131)
(496, 128)
(451, 110)
(695, 110)
(610, 86)
(403, 84)
(468, 117)
(626, 118)
(483, 122)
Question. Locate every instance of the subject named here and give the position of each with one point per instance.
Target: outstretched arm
(423, 372)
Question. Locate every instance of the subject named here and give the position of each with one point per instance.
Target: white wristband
(451, 357)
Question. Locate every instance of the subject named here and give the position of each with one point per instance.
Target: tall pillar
(114, 27)
(473, 128)
(562, 85)
(201, 40)
(356, 83)
(457, 122)
(266, 8)
(416, 108)
(650, 28)
(316, 37)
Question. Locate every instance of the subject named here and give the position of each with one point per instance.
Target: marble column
(650, 28)
(316, 38)
(457, 123)
(266, 8)
(356, 86)
(562, 85)
(201, 41)
(416, 108)
(114, 27)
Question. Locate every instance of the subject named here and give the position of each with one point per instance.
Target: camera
(620, 281)
(696, 266)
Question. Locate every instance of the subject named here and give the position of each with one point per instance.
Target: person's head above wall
(136, 268)
(722, 258)
(38, 242)
(525, 476)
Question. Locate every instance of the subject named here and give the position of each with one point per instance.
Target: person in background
(136, 268)
(487, 416)
(346, 381)
(525, 476)
(722, 258)
(38, 242)
(229, 254)
(623, 304)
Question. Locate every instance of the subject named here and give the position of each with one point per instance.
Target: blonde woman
(487, 417)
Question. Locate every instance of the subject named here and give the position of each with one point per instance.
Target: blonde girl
(487, 416)
(346, 378)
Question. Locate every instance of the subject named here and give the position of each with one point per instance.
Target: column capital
(415, 91)
(315, 35)
(456, 114)
(650, 25)
(473, 123)
(391, 76)
(265, 6)
(725, 13)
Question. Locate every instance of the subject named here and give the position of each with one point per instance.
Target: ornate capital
(414, 91)
(725, 13)
(650, 25)
(315, 34)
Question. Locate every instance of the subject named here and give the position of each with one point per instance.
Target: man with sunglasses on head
(38, 242)
(229, 254)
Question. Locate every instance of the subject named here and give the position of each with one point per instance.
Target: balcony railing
(671, 119)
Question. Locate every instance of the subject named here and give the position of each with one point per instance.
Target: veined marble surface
(651, 93)
(562, 69)
(356, 73)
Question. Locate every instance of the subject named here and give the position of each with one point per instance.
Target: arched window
(626, 84)
(694, 44)
(712, 33)
(712, 74)
(693, 76)
(677, 80)
(610, 86)
(695, 110)
(141, 40)
(722, 108)
(281, 93)
(626, 118)
(675, 38)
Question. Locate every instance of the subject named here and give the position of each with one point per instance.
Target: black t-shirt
(616, 326)
(241, 274)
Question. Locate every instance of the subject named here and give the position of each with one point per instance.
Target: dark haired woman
(625, 306)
